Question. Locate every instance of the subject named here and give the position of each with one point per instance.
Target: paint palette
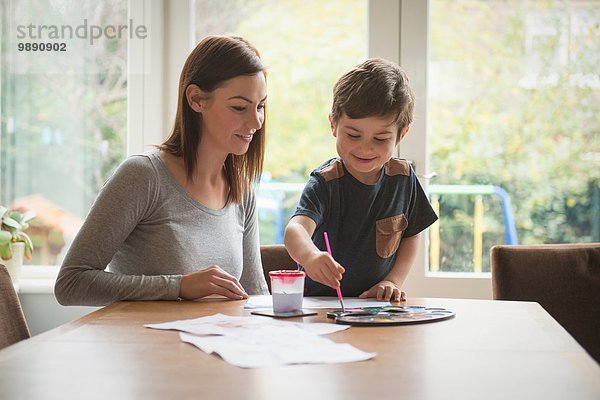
(390, 315)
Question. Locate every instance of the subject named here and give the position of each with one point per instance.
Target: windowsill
(463, 275)
(40, 279)
(36, 279)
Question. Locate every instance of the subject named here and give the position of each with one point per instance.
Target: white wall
(43, 312)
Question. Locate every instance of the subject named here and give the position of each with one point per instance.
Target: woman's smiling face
(233, 112)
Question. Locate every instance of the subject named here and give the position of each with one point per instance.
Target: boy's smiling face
(365, 144)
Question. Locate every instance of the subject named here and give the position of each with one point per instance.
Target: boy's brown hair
(376, 87)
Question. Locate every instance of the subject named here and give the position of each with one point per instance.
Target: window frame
(398, 31)
(145, 110)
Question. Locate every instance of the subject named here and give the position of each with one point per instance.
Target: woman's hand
(384, 290)
(212, 280)
(322, 268)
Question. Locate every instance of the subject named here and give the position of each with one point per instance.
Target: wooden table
(490, 350)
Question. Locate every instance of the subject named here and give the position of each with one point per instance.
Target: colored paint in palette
(390, 315)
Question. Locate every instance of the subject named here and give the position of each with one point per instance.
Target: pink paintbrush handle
(339, 292)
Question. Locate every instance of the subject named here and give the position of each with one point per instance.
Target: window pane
(514, 88)
(306, 46)
(63, 113)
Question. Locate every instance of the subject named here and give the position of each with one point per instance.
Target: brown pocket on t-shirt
(388, 233)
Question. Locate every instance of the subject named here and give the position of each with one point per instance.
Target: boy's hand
(384, 290)
(322, 268)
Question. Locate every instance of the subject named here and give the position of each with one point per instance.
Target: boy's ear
(404, 132)
(195, 97)
(332, 126)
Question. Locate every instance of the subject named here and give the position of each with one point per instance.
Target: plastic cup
(287, 287)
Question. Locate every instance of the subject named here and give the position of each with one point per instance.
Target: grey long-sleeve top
(149, 232)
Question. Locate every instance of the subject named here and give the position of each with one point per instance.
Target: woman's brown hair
(215, 60)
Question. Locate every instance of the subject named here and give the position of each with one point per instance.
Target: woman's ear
(195, 97)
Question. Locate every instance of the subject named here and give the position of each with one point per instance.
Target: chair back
(13, 327)
(275, 257)
(563, 278)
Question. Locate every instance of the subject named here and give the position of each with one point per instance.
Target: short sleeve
(420, 213)
(312, 200)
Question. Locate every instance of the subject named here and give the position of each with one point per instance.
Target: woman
(180, 221)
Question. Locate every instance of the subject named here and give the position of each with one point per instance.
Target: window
(63, 112)
(306, 46)
(505, 94)
(512, 101)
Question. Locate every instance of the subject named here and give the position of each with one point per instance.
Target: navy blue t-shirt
(365, 223)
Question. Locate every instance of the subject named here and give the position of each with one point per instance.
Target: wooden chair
(13, 327)
(563, 278)
(275, 257)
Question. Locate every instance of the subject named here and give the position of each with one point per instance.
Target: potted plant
(14, 243)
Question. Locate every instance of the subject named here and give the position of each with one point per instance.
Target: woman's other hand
(212, 280)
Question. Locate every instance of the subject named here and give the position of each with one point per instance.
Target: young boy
(370, 204)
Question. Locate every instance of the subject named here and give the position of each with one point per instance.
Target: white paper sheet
(220, 324)
(255, 342)
(245, 353)
(256, 302)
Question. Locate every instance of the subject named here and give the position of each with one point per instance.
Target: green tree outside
(519, 110)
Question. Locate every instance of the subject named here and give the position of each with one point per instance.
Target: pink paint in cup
(287, 287)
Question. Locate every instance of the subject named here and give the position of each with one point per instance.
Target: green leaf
(10, 222)
(23, 237)
(6, 251)
(16, 215)
(27, 216)
(5, 238)
(28, 253)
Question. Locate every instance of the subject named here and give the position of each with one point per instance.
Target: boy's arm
(319, 265)
(390, 288)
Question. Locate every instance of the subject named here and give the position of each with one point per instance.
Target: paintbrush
(339, 292)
